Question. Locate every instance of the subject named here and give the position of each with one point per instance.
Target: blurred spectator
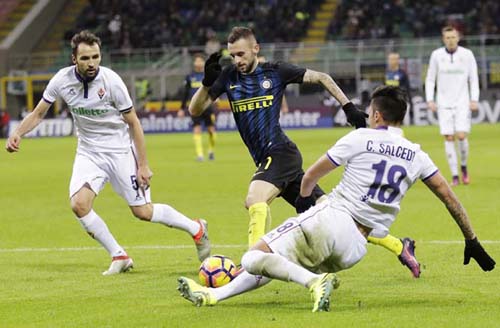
(4, 123)
(130, 24)
(212, 45)
(361, 19)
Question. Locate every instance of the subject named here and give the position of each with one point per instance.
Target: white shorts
(120, 169)
(453, 120)
(322, 239)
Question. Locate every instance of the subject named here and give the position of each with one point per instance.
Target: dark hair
(86, 37)
(240, 32)
(198, 55)
(448, 28)
(390, 101)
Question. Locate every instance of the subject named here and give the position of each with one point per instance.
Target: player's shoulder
(65, 73)
(466, 50)
(439, 51)
(106, 71)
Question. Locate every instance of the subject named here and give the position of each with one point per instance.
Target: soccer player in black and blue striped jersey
(191, 84)
(255, 91)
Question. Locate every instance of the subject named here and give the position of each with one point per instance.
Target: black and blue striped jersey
(191, 84)
(255, 100)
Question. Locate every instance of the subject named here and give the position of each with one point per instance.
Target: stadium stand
(157, 23)
(11, 13)
(373, 19)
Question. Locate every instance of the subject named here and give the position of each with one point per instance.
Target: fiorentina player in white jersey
(111, 148)
(380, 167)
(455, 70)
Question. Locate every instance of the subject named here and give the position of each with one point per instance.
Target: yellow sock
(389, 242)
(198, 147)
(211, 142)
(257, 225)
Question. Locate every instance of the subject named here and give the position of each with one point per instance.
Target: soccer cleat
(119, 264)
(321, 290)
(465, 176)
(211, 156)
(195, 293)
(201, 240)
(455, 181)
(407, 257)
(199, 159)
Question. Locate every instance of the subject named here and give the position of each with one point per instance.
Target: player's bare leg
(260, 195)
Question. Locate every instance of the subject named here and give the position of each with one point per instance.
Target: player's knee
(80, 207)
(461, 136)
(143, 212)
(449, 138)
(253, 261)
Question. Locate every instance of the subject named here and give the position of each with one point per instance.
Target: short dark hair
(448, 28)
(86, 37)
(240, 32)
(390, 101)
(198, 55)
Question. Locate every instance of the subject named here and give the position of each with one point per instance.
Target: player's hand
(474, 106)
(144, 175)
(432, 106)
(355, 117)
(212, 69)
(474, 249)
(12, 144)
(302, 204)
(181, 113)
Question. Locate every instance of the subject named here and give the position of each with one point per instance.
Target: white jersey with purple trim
(96, 105)
(380, 166)
(457, 78)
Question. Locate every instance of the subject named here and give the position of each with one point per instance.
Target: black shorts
(282, 167)
(207, 117)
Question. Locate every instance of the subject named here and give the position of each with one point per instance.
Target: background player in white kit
(111, 147)
(455, 69)
(381, 166)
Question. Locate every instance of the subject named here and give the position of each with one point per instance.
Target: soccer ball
(216, 271)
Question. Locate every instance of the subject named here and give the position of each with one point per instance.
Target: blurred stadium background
(150, 44)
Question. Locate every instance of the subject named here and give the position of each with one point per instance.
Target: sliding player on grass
(380, 167)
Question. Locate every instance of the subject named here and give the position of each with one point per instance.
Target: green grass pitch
(50, 270)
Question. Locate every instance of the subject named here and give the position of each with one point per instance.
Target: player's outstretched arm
(28, 123)
(354, 116)
(473, 248)
(201, 99)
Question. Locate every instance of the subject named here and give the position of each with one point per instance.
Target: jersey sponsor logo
(101, 93)
(234, 86)
(72, 92)
(266, 84)
(244, 105)
(88, 111)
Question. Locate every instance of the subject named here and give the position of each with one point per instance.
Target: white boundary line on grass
(174, 247)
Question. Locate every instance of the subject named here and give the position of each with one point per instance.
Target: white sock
(463, 146)
(451, 155)
(168, 216)
(98, 230)
(276, 266)
(244, 282)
